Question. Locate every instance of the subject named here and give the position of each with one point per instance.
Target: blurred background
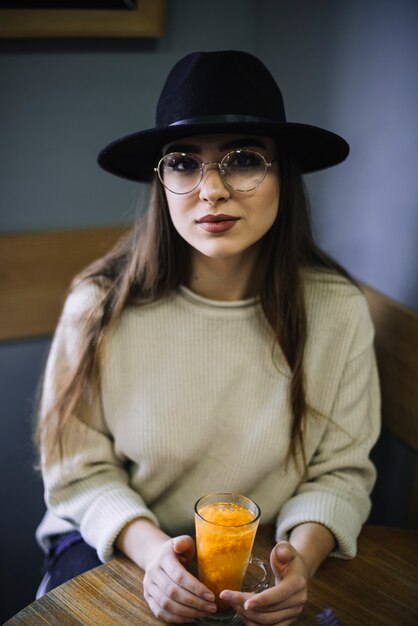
(350, 67)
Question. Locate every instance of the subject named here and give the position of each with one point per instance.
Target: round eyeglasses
(241, 170)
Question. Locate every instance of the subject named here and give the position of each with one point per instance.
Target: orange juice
(225, 534)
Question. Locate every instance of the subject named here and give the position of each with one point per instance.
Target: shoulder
(328, 284)
(81, 302)
(337, 308)
(83, 298)
(327, 290)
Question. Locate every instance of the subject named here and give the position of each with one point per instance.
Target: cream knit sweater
(194, 401)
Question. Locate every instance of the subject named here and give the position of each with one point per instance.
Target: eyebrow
(240, 142)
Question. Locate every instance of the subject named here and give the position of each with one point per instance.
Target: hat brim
(136, 155)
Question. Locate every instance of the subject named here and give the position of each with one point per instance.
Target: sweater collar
(193, 297)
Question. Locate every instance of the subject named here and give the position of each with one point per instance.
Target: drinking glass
(226, 524)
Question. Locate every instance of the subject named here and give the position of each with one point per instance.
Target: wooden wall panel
(36, 270)
(397, 356)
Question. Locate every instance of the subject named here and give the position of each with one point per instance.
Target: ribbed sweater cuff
(107, 517)
(324, 508)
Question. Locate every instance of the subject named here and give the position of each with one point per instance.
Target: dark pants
(69, 556)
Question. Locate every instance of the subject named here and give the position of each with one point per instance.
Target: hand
(282, 603)
(173, 594)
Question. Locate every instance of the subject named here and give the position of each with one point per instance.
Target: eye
(243, 159)
(181, 163)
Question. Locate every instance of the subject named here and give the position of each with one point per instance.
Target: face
(215, 220)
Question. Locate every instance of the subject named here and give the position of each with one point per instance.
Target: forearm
(140, 541)
(314, 542)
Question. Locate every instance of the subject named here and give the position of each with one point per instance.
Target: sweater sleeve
(89, 486)
(340, 474)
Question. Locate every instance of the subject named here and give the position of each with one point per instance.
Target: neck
(227, 279)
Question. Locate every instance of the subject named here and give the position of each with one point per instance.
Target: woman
(217, 348)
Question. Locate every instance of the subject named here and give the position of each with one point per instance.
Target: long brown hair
(153, 259)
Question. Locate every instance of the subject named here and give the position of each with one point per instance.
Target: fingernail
(284, 553)
(209, 596)
(210, 608)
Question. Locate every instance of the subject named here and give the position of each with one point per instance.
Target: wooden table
(377, 588)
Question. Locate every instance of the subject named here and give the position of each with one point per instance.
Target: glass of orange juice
(226, 524)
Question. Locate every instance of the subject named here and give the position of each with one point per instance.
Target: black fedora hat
(220, 92)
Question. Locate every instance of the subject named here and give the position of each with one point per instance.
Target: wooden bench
(397, 357)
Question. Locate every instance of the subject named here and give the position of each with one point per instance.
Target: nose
(212, 188)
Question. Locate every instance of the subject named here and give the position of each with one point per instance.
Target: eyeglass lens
(243, 170)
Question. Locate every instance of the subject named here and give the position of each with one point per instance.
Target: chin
(221, 251)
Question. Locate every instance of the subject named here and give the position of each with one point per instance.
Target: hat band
(223, 119)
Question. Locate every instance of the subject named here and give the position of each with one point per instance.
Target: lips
(219, 217)
(218, 223)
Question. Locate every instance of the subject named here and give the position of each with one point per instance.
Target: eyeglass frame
(219, 166)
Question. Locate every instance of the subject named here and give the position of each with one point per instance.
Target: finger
(281, 556)
(181, 577)
(165, 616)
(256, 603)
(287, 592)
(235, 598)
(270, 618)
(163, 605)
(172, 591)
(269, 599)
(276, 598)
(184, 546)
